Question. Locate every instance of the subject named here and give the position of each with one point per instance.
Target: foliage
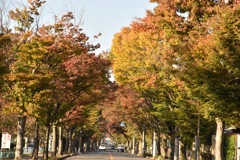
(27, 18)
(183, 65)
(170, 71)
(138, 55)
(119, 107)
(229, 147)
(54, 72)
(7, 119)
(5, 45)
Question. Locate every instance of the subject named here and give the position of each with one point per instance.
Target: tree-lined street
(175, 94)
(106, 155)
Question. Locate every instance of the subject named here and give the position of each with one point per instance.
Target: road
(105, 155)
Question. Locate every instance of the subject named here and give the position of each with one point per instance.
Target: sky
(99, 16)
(96, 16)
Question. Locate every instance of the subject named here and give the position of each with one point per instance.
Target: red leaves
(54, 69)
(123, 104)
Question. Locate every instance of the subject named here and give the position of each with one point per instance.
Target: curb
(66, 156)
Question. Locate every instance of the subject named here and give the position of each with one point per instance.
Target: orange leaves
(53, 69)
(122, 104)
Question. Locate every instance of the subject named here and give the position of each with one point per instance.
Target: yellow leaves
(131, 52)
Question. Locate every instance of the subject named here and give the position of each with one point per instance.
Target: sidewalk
(40, 156)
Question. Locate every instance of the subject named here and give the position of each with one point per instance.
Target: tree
(117, 115)
(24, 19)
(67, 74)
(54, 69)
(183, 48)
(137, 54)
(205, 60)
(4, 20)
(5, 44)
(217, 68)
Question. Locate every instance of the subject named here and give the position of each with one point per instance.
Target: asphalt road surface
(105, 155)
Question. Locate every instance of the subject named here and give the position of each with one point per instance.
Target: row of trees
(183, 60)
(173, 68)
(50, 78)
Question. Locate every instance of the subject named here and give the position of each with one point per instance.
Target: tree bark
(176, 148)
(70, 133)
(36, 142)
(54, 140)
(165, 147)
(143, 142)
(128, 146)
(133, 145)
(154, 145)
(80, 144)
(20, 135)
(67, 142)
(219, 137)
(158, 144)
(60, 143)
(46, 143)
(184, 151)
(74, 143)
(197, 140)
(197, 148)
(140, 147)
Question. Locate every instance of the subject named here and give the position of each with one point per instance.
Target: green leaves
(203, 46)
(53, 68)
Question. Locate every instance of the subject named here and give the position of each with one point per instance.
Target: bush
(229, 147)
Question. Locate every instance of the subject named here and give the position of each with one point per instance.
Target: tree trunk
(74, 142)
(143, 142)
(80, 144)
(128, 146)
(197, 140)
(25, 142)
(54, 140)
(60, 143)
(67, 142)
(20, 135)
(176, 148)
(184, 151)
(154, 145)
(46, 143)
(219, 137)
(158, 144)
(133, 145)
(70, 133)
(36, 142)
(197, 148)
(172, 144)
(140, 147)
(165, 147)
(85, 147)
